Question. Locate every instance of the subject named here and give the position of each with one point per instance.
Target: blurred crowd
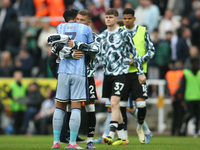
(174, 26)
(28, 104)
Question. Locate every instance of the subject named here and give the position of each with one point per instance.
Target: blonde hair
(85, 13)
(6, 63)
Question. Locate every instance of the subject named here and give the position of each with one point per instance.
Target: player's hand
(131, 61)
(70, 43)
(142, 78)
(77, 54)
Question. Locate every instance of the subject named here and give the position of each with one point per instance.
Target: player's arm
(90, 49)
(136, 58)
(150, 50)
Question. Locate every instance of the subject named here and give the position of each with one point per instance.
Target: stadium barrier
(45, 83)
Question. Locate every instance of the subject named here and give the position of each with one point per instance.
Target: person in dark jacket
(34, 101)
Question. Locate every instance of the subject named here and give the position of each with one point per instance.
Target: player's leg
(65, 132)
(116, 119)
(107, 123)
(116, 116)
(64, 135)
(77, 95)
(124, 125)
(147, 132)
(62, 95)
(91, 122)
(139, 93)
(58, 122)
(90, 109)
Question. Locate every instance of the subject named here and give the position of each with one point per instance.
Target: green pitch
(10, 142)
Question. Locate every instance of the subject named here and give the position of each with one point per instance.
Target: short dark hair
(112, 11)
(86, 13)
(70, 14)
(129, 11)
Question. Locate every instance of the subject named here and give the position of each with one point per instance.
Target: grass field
(10, 142)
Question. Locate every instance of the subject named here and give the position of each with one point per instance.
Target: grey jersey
(115, 48)
(150, 50)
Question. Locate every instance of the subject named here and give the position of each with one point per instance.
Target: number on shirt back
(72, 35)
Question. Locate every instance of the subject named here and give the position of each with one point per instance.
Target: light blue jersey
(79, 32)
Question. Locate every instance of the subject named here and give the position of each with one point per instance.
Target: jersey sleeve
(150, 50)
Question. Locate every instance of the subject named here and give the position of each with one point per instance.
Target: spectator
(163, 55)
(152, 16)
(30, 37)
(118, 5)
(7, 65)
(17, 90)
(27, 8)
(168, 23)
(174, 40)
(106, 3)
(45, 115)
(190, 86)
(173, 78)
(194, 52)
(195, 28)
(13, 35)
(6, 11)
(128, 5)
(96, 12)
(43, 45)
(140, 12)
(177, 6)
(134, 3)
(24, 62)
(34, 101)
(183, 44)
(162, 5)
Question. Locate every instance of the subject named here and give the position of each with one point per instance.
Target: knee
(141, 104)
(90, 108)
(114, 104)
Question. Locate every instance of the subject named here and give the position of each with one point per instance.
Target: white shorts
(71, 87)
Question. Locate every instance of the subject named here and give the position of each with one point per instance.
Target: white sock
(120, 134)
(139, 126)
(126, 134)
(111, 134)
(89, 139)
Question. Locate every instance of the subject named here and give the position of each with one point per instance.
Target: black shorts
(133, 86)
(92, 89)
(113, 85)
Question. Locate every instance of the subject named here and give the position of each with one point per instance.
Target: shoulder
(61, 24)
(104, 33)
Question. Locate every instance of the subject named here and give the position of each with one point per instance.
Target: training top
(79, 32)
(150, 50)
(115, 47)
